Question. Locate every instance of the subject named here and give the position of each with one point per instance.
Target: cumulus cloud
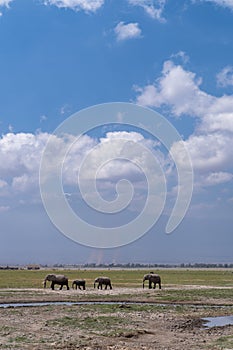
(5, 2)
(154, 8)
(211, 144)
(127, 31)
(77, 5)
(218, 178)
(20, 157)
(225, 77)
(177, 88)
(113, 155)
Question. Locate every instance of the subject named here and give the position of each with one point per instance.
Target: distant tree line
(119, 265)
(140, 265)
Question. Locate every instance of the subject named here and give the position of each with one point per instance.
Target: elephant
(152, 278)
(61, 280)
(79, 284)
(103, 281)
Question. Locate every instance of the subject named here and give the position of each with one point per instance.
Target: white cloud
(127, 31)
(177, 88)
(4, 208)
(181, 91)
(113, 146)
(117, 156)
(3, 184)
(181, 55)
(43, 118)
(225, 77)
(5, 2)
(210, 152)
(211, 144)
(77, 5)
(217, 122)
(19, 158)
(218, 178)
(224, 3)
(154, 8)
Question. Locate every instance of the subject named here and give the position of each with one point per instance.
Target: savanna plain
(126, 317)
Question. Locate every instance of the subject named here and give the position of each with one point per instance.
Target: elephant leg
(67, 286)
(52, 285)
(84, 287)
(61, 287)
(150, 284)
(79, 287)
(110, 286)
(154, 285)
(159, 285)
(101, 286)
(106, 286)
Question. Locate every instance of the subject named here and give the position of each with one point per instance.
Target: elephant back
(102, 279)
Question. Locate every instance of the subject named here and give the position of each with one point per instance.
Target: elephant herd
(62, 280)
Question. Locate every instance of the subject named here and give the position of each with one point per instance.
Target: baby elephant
(79, 284)
(103, 281)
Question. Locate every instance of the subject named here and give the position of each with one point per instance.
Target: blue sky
(58, 57)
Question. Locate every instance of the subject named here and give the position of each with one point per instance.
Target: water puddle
(218, 321)
(48, 303)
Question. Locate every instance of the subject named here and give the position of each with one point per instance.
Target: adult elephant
(103, 281)
(153, 279)
(78, 284)
(61, 280)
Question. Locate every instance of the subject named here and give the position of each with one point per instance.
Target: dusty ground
(104, 327)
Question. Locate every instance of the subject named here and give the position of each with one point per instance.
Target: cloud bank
(211, 144)
(20, 157)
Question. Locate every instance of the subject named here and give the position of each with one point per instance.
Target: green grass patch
(191, 295)
(224, 342)
(19, 339)
(120, 278)
(101, 324)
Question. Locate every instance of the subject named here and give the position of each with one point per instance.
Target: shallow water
(218, 321)
(47, 303)
(69, 303)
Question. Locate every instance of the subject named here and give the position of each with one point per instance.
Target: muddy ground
(110, 326)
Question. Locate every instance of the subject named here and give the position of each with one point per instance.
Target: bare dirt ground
(119, 326)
